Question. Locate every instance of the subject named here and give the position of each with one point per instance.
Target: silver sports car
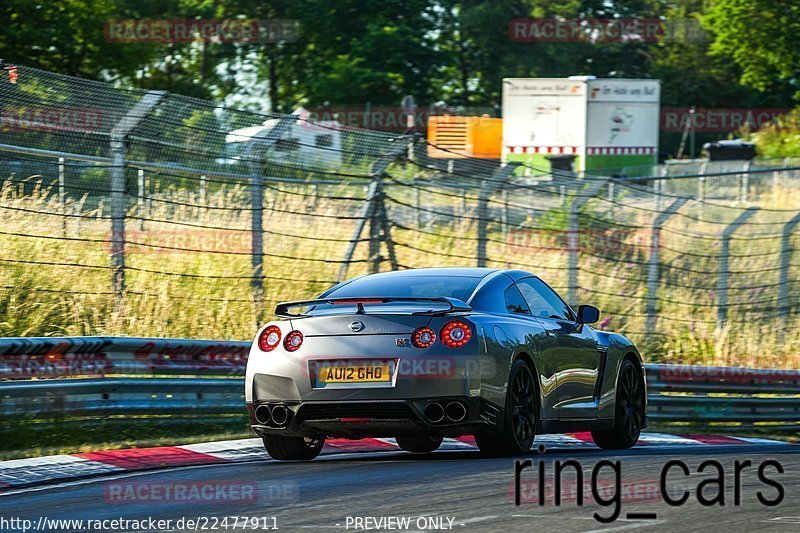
(425, 354)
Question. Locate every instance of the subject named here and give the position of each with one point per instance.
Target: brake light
(455, 334)
(293, 341)
(269, 338)
(423, 337)
(351, 301)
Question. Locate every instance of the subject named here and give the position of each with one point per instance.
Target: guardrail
(96, 377)
(61, 357)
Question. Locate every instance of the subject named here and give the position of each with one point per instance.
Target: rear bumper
(379, 418)
(362, 409)
(458, 381)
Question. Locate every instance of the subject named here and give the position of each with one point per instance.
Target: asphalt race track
(455, 490)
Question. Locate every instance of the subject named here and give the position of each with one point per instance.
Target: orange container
(452, 137)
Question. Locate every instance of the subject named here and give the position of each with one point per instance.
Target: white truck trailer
(605, 123)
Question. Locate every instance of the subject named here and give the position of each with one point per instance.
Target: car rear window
(460, 287)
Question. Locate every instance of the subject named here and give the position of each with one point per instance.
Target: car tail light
(269, 338)
(455, 334)
(423, 337)
(293, 341)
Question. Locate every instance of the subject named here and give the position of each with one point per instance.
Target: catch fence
(127, 212)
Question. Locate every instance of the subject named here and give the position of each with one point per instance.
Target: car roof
(483, 275)
(464, 272)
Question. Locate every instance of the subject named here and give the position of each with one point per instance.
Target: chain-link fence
(145, 213)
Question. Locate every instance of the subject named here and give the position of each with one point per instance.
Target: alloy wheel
(523, 406)
(631, 402)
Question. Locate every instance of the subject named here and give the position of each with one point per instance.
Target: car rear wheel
(629, 414)
(293, 448)
(520, 416)
(420, 444)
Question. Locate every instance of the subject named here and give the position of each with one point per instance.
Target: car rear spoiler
(453, 305)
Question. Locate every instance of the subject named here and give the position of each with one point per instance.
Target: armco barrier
(103, 376)
(57, 357)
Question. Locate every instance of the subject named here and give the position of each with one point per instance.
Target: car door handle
(551, 334)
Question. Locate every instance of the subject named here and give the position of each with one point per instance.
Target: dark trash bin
(562, 165)
(733, 150)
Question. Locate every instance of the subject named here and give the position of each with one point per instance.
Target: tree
(760, 36)
(357, 51)
(66, 36)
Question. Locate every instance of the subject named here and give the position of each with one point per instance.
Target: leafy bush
(781, 139)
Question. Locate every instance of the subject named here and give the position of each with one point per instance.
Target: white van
(304, 143)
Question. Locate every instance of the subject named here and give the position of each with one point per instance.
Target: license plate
(353, 373)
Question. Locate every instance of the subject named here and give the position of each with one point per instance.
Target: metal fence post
(374, 255)
(141, 199)
(722, 277)
(118, 216)
(483, 225)
(254, 154)
(744, 192)
(365, 214)
(379, 231)
(62, 194)
(785, 263)
(701, 191)
(653, 270)
(498, 180)
(573, 235)
(418, 195)
(504, 214)
(314, 197)
(257, 238)
(775, 193)
(118, 137)
(385, 229)
(374, 211)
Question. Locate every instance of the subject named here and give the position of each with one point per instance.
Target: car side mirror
(588, 314)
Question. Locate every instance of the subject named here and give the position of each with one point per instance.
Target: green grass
(23, 439)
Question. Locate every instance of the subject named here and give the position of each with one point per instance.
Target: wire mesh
(227, 212)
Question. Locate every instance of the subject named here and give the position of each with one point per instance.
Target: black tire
(629, 414)
(420, 444)
(520, 416)
(293, 448)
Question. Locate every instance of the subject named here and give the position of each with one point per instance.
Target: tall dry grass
(189, 266)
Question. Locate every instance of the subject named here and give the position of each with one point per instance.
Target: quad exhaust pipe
(273, 415)
(436, 412)
(280, 415)
(263, 415)
(455, 411)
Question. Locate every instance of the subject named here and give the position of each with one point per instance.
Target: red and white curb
(40, 470)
